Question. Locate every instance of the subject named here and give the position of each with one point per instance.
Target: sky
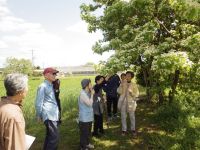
(49, 32)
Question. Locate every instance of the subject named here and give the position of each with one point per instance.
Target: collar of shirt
(48, 82)
(9, 101)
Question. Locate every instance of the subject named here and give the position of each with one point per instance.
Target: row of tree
(24, 66)
(158, 39)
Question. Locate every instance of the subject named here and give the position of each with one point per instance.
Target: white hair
(15, 83)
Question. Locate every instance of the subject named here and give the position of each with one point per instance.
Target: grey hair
(15, 83)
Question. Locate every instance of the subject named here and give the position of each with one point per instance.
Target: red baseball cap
(50, 70)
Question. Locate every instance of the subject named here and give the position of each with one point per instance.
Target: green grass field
(69, 132)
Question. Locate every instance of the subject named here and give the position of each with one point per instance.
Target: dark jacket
(98, 100)
(110, 86)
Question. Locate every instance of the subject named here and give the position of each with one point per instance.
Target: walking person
(128, 94)
(12, 124)
(85, 103)
(98, 104)
(47, 109)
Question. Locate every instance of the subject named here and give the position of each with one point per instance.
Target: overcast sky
(53, 29)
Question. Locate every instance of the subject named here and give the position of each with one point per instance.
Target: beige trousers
(124, 116)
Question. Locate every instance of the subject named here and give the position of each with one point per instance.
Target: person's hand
(107, 77)
(92, 91)
(130, 91)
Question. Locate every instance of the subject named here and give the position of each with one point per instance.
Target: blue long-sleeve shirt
(46, 105)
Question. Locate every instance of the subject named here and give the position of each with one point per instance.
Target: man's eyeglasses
(54, 74)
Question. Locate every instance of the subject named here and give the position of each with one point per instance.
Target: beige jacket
(128, 94)
(12, 126)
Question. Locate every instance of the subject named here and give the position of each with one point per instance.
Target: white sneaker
(90, 146)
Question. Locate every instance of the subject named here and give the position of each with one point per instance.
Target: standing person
(47, 109)
(85, 103)
(123, 77)
(121, 97)
(129, 91)
(98, 103)
(110, 87)
(56, 87)
(12, 124)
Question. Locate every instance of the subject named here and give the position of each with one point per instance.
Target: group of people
(120, 94)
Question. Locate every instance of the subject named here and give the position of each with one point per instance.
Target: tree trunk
(174, 85)
(147, 83)
(160, 97)
(148, 94)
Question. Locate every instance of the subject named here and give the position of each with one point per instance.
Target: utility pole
(32, 52)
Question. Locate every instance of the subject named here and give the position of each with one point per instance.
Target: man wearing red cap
(47, 109)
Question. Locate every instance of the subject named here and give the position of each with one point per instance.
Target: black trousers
(52, 135)
(112, 103)
(98, 124)
(85, 133)
(58, 103)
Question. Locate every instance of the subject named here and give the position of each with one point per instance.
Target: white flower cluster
(169, 62)
(126, 1)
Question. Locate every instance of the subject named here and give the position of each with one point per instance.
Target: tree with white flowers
(159, 39)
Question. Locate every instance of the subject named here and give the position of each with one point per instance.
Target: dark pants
(58, 103)
(52, 135)
(112, 101)
(85, 133)
(98, 124)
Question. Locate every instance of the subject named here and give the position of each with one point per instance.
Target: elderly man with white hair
(12, 124)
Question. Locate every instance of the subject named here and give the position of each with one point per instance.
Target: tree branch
(162, 24)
